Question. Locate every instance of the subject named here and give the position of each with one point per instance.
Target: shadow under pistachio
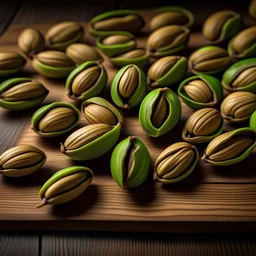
(78, 205)
(19, 114)
(52, 142)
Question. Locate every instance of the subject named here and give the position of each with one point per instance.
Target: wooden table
(212, 201)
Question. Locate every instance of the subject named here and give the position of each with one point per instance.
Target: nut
(252, 9)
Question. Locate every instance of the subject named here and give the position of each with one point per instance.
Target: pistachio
(21, 93)
(241, 76)
(238, 107)
(230, 147)
(167, 40)
(243, 45)
(65, 185)
(201, 91)
(209, 60)
(53, 64)
(31, 41)
(91, 141)
(21, 160)
(171, 15)
(159, 112)
(62, 34)
(167, 71)
(252, 123)
(86, 81)
(221, 26)
(99, 110)
(80, 53)
(203, 126)
(129, 86)
(55, 119)
(136, 56)
(11, 63)
(130, 163)
(175, 163)
(252, 9)
(116, 44)
(116, 21)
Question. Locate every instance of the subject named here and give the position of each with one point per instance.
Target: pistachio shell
(130, 163)
(155, 102)
(80, 53)
(21, 160)
(62, 34)
(238, 107)
(55, 119)
(203, 93)
(129, 86)
(221, 26)
(243, 45)
(167, 40)
(175, 163)
(252, 122)
(99, 110)
(252, 9)
(86, 80)
(241, 76)
(21, 93)
(167, 71)
(11, 63)
(230, 147)
(91, 141)
(203, 126)
(171, 15)
(209, 60)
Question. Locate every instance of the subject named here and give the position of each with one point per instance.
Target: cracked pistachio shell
(62, 34)
(159, 112)
(201, 91)
(21, 160)
(53, 64)
(209, 60)
(176, 163)
(243, 45)
(31, 41)
(55, 119)
(80, 53)
(116, 21)
(130, 163)
(91, 141)
(167, 71)
(65, 185)
(230, 147)
(136, 56)
(11, 63)
(252, 122)
(252, 8)
(128, 87)
(21, 93)
(221, 26)
(171, 15)
(203, 126)
(238, 107)
(86, 80)
(99, 110)
(241, 76)
(116, 43)
(167, 40)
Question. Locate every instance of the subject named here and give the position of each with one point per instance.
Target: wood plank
(19, 244)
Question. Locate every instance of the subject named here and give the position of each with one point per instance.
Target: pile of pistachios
(217, 81)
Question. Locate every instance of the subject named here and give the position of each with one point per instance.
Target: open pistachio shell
(159, 112)
(213, 84)
(130, 163)
(56, 118)
(230, 147)
(252, 122)
(134, 84)
(241, 76)
(116, 43)
(79, 82)
(116, 20)
(21, 93)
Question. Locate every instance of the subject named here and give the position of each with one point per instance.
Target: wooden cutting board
(211, 199)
